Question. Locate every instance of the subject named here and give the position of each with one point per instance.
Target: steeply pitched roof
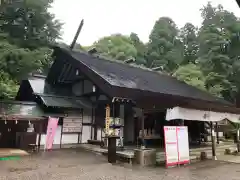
(126, 76)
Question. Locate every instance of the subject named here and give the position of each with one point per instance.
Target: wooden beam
(69, 75)
(64, 72)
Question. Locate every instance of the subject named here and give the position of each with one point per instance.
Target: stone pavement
(229, 158)
(81, 165)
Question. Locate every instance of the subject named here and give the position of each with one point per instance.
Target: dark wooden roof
(122, 80)
(48, 96)
(65, 102)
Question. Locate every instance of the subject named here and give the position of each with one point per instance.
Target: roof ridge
(102, 57)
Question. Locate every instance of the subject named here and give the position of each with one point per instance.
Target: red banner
(51, 131)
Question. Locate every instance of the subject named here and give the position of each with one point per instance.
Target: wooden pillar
(61, 135)
(217, 133)
(213, 137)
(40, 134)
(238, 142)
(142, 127)
(92, 125)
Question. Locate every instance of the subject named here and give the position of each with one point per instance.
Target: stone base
(203, 155)
(145, 157)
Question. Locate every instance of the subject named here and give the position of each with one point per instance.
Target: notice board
(171, 152)
(72, 124)
(176, 145)
(183, 145)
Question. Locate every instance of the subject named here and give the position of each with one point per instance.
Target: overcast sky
(105, 17)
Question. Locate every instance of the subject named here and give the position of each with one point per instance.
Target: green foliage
(192, 75)
(117, 46)
(140, 48)
(164, 48)
(27, 30)
(8, 87)
(29, 24)
(188, 35)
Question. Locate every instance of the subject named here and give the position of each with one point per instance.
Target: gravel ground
(81, 165)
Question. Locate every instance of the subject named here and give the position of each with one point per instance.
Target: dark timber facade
(80, 84)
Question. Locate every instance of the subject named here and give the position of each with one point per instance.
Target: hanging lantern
(5, 122)
(16, 122)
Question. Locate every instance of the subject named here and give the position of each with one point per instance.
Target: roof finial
(77, 34)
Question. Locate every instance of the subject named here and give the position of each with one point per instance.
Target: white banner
(200, 115)
(176, 145)
(183, 145)
(171, 152)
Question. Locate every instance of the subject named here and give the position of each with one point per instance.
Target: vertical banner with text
(51, 131)
(107, 120)
(183, 145)
(176, 145)
(171, 152)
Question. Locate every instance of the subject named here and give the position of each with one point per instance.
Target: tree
(188, 35)
(116, 46)
(140, 47)
(8, 87)
(18, 62)
(29, 24)
(192, 75)
(27, 30)
(214, 40)
(164, 47)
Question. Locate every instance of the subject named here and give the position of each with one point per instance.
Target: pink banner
(51, 130)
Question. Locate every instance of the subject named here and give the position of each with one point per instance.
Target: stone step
(161, 159)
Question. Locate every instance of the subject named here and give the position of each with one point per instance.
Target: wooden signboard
(72, 124)
(107, 120)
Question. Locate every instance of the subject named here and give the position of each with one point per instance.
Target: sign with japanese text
(171, 145)
(183, 145)
(72, 124)
(176, 145)
(107, 120)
